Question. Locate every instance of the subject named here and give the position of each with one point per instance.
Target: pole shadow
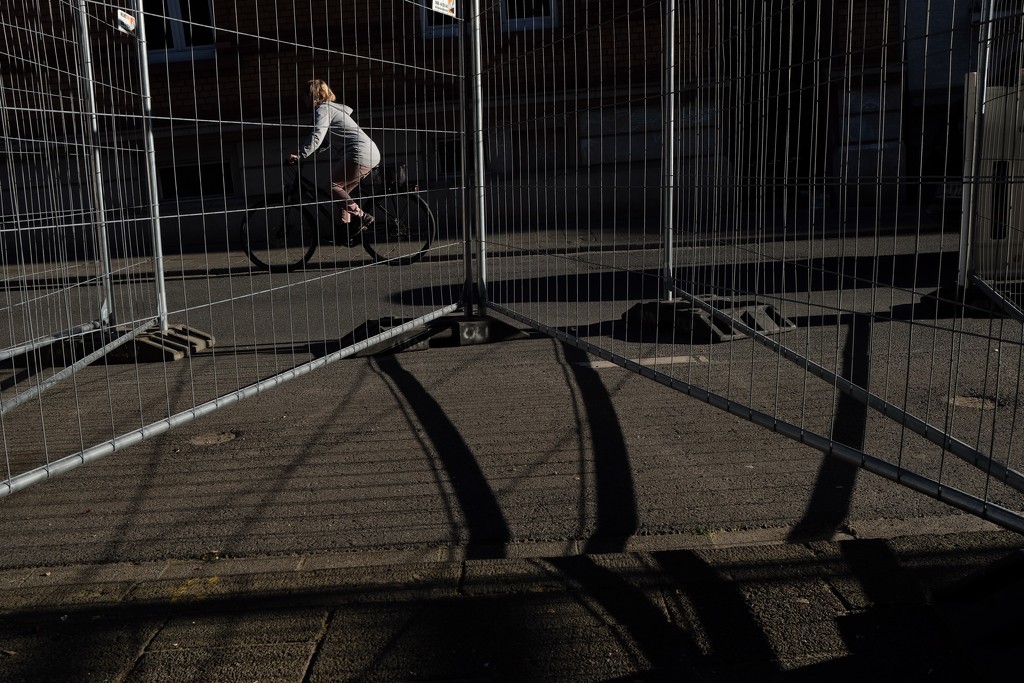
(734, 636)
(488, 529)
(613, 477)
(830, 500)
(667, 647)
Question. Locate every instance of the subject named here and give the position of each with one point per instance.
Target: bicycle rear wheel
(403, 229)
(278, 238)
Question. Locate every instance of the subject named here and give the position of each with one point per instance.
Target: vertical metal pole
(154, 199)
(668, 134)
(96, 187)
(969, 171)
(976, 135)
(468, 293)
(479, 198)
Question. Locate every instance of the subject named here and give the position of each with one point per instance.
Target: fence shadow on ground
(927, 271)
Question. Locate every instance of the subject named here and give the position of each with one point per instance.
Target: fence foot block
(471, 331)
(685, 320)
(445, 331)
(177, 343)
(195, 340)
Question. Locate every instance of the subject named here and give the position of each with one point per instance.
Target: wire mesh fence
(804, 213)
(163, 255)
(770, 206)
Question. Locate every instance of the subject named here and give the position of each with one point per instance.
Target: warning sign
(125, 22)
(445, 7)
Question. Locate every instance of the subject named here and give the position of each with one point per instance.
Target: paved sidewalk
(909, 609)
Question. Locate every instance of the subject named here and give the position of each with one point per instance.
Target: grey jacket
(347, 139)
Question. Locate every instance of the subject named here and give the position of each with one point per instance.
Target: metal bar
(668, 133)
(977, 132)
(25, 396)
(477, 136)
(22, 349)
(959, 499)
(1008, 306)
(958, 448)
(970, 169)
(151, 175)
(70, 462)
(96, 188)
(467, 207)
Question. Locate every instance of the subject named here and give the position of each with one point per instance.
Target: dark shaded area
(732, 632)
(900, 634)
(571, 618)
(668, 648)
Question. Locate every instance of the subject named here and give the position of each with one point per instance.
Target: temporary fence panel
(69, 223)
(203, 101)
(995, 156)
(759, 204)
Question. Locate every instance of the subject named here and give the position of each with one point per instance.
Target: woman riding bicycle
(358, 153)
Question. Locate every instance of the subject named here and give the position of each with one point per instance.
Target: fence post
(468, 291)
(975, 133)
(154, 198)
(668, 148)
(477, 137)
(96, 186)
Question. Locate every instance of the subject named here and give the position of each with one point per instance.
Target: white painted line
(661, 360)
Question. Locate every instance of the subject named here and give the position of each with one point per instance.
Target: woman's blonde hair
(320, 92)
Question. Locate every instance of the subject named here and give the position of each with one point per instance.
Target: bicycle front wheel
(278, 238)
(402, 230)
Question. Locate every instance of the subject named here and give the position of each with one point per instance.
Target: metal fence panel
(760, 204)
(128, 311)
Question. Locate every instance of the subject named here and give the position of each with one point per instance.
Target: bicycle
(282, 236)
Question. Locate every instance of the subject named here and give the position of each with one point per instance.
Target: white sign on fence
(125, 22)
(445, 7)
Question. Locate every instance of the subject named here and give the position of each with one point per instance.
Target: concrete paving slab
(71, 645)
(12, 578)
(238, 629)
(278, 662)
(214, 565)
(121, 572)
(382, 557)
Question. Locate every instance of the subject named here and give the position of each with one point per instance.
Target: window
(528, 15)
(448, 156)
(178, 30)
(196, 181)
(437, 24)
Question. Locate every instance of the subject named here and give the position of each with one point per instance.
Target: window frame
(530, 23)
(179, 50)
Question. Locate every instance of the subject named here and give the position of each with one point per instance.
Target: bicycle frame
(304, 191)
